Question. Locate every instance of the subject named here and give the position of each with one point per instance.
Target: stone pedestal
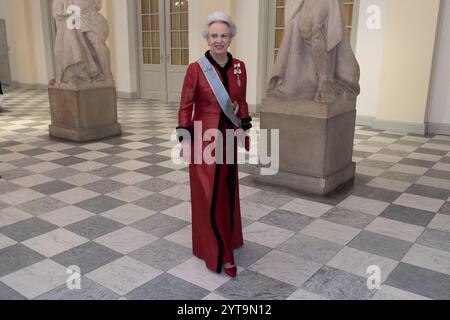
(316, 144)
(83, 115)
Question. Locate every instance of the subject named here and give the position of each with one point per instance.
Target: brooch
(238, 72)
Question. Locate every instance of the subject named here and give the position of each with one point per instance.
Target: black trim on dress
(246, 123)
(180, 136)
(231, 193)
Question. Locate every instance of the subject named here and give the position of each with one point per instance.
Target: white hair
(219, 17)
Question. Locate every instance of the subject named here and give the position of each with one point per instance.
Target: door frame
(140, 59)
(269, 39)
(8, 81)
(172, 70)
(49, 32)
(136, 22)
(355, 23)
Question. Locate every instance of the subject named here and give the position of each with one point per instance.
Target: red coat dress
(216, 215)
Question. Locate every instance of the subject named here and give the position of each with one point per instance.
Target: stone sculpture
(83, 99)
(81, 55)
(311, 100)
(315, 61)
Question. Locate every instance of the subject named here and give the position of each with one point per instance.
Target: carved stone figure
(315, 61)
(81, 54)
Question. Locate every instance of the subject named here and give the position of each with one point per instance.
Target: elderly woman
(209, 87)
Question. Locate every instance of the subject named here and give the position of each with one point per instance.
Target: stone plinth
(83, 115)
(316, 144)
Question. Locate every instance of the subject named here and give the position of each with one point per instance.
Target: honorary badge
(238, 72)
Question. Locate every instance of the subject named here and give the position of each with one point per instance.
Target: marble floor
(119, 210)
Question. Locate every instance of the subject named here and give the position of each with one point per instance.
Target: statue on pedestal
(315, 61)
(83, 98)
(311, 100)
(81, 55)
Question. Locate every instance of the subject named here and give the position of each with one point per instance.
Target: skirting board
(120, 94)
(389, 125)
(438, 128)
(366, 121)
(127, 95)
(37, 86)
(254, 108)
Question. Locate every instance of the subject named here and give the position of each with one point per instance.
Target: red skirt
(216, 214)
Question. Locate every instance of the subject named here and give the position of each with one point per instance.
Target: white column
(439, 107)
(196, 21)
(369, 52)
(249, 46)
(125, 47)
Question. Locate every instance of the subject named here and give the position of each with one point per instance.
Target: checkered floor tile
(119, 210)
